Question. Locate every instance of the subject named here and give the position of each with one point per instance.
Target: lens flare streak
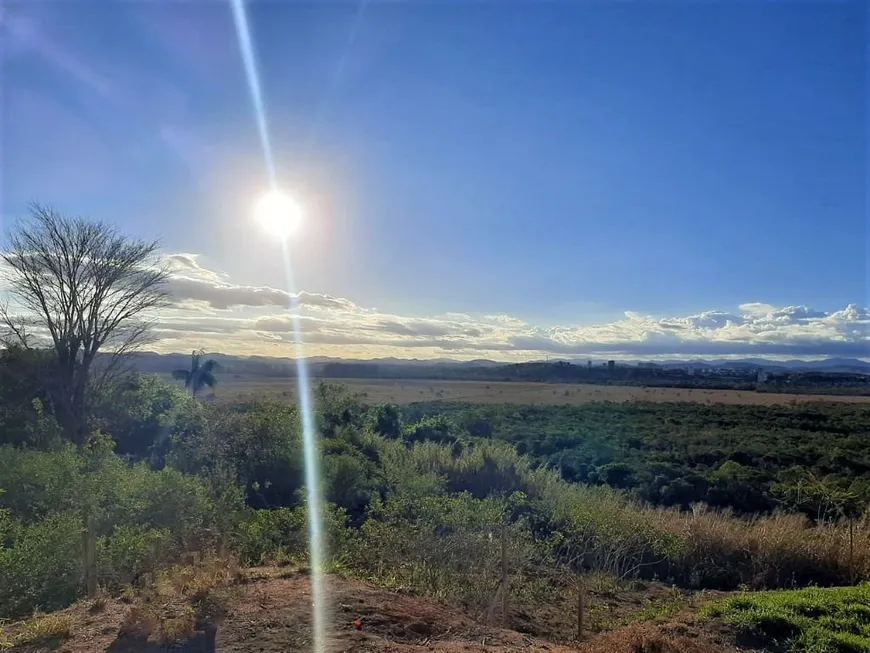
(312, 471)
(309, 436)
(249, 60)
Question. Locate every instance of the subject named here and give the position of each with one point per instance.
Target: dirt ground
(272, 614)
(407, 391)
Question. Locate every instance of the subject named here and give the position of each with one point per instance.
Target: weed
(168, 610)
(814, 620)
(127, 594)
(98, 604)
(40, 628)
(177, 628)
(665, 607)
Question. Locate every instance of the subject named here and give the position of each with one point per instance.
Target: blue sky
(558, 163)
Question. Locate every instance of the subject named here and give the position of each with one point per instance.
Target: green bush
(40, 565)
(386, 421)
(143, 413)
(448, 547)
(36, 483)
(24, 420)
(141, 517)
(350, 483)
(256, 442)
(129, 552)
(282, 533)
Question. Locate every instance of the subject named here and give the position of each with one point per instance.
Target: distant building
(761, 376)
(611, 365)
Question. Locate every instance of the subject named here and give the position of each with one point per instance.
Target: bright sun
(278, 213)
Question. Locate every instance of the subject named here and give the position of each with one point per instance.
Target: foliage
(24, 397)
(747, 458)
(140, 517)
(40, 565)
(131, 551)
(386, 421)
(351, 483)
(200, 375)
(142, 414)
(443, 546)
(421, 504)
(84, 287)
(38, 484)
(813, 620)
(282, 534)
(256, 443)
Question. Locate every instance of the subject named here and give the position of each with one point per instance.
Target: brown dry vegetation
(708, 548)
(407, 391)
(212, 608)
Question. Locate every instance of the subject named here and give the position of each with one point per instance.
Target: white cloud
(211, 311)
(189, 281)
(756, 308)
(336, 326)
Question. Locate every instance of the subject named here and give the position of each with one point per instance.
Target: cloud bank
(211, 311)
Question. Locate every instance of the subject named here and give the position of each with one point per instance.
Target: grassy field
(813, 620)
(406, 391)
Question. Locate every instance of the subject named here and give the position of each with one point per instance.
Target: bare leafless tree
(84, 290)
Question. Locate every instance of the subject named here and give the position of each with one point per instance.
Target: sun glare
(278, 213)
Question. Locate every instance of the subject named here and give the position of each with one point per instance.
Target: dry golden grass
(407, 391)
(676, 637)
(780, 550)
(179, 627)
(169, 607)
(706, 548)
(39, 628)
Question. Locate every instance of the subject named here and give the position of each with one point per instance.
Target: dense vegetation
(809, 458)
(421, 504)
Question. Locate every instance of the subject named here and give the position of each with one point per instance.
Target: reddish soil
(272, 615)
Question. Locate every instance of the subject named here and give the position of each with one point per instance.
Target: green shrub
(141, 517)
(143, 413)
(350, 483)
(386, 421)
(130, 551)
(40, 565)
(38, 483)
(448, 547)
(256, 442)
(283, 532)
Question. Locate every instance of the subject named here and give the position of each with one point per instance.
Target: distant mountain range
(845, 365)
(150, 362)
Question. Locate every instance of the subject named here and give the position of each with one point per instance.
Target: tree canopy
(85, 290)
(200, 375)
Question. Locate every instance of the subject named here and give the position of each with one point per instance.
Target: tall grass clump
(448, 547)
(601, 529)
(718, 550)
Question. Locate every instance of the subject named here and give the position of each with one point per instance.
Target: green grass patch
(814, 620)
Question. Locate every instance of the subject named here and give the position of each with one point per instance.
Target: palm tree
(200, 375)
